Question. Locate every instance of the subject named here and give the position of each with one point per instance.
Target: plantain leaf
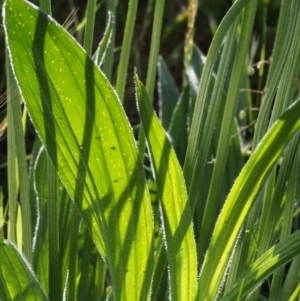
(241, 197)
(176, 214)
(17, 281)
(82, 124)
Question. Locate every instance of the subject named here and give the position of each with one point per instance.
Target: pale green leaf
(242, 197)
(176, 214)
(80, 120)
(17, 280)
(274, 258)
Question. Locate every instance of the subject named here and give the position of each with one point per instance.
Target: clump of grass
(88, 219)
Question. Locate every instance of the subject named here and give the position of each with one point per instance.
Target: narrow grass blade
(18, 170)
(291, 183)
(178, 125)
(153, 59)
(13, 183)
(41, 243)
(73, 255)
(154, 47)
(291, 282)
(203, 90)
(109, 58)
(168, 94)
(241, 198)
(176, 215)
(55, 271)
(230, 109)
(274, 258)
(89, 28)
(80, 120)
(101, 51)
(17, 281)
(126, 45)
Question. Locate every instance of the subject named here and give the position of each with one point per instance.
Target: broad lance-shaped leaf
(81, 122)
(240, 199)
(17, 281)
(176, 215)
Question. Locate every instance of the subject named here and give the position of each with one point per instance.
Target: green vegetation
(199, 203)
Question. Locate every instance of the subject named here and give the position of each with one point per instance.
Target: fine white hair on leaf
(40, 152)
(100, 53)
(21, 255)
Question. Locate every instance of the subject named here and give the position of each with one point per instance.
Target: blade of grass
(21, 170)
(288, 214)
(74, 229)
(241, 198)
(83, 288)
(275, 257)
(283, 41)
(55, 271)
(284, 94)
(100, 278)
(153, 60)
(291, 284)
(238, 71)
(177, 130)
(281, 48)
(126, 45)
(45, 5)
(154, 47)
(40, 240)
(89, 28)
(195, 133)
(167, 92)
(188, 45)
(207, 217)
(65, 234)
(109, 58)
(103, 46)
(13, 185)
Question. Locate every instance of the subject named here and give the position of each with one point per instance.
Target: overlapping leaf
(17, 281)
(176, 214)
(80, 120)
(241, 198)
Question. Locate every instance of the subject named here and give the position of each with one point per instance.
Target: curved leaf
(80, 120)
(100, 53)
(176, 214)
(167, 92)
(274, 258)
(17, 281)
(241, 198)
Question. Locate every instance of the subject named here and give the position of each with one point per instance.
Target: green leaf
(82, 124)
(178, 125)
(242, 196)
(204, 90)
(168, 93)
(17, 281)
(274, 258)
(104, 43)
(176, 214)
(41, 243)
